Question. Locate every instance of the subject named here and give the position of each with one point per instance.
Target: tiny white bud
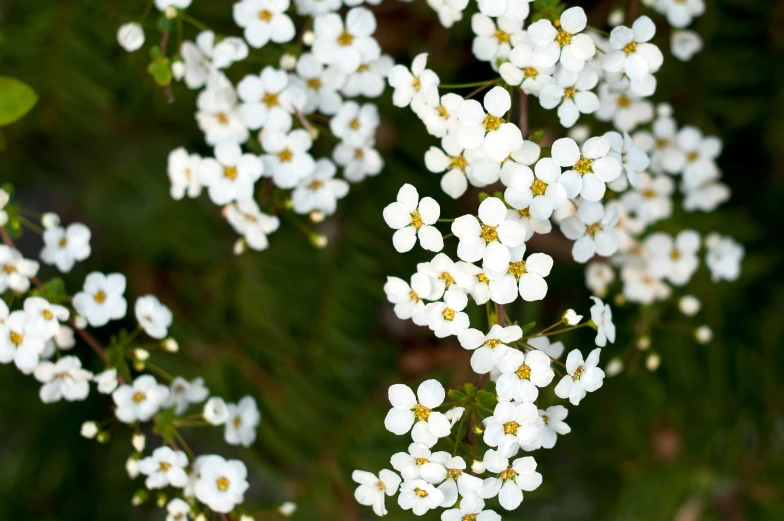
(643, 343)
(215, 411)
(246, 517)
(318, 240)
(132, 467)
(571, 318)
(50, 220)
(703, 334)
(580, 133)
(80, 322)
(314, 133)
(64, 338)
(170, 12)
(139, 498)
(89, 430)
(653, 361)
(141, 354)
(477, 466)
(288, 62)
(178, 70)
(689, 305)
(170, 345)
(317, 216)
(614, 367)
(201, 517)
(138, 441)
(616, 17)
(239, 247)
(130, 36)
(287, 508)
(309, 38)
(4, 198)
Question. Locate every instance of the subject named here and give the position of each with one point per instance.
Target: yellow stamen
(523, 372)
(489, 233)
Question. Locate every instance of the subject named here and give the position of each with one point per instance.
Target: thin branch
(523, 121)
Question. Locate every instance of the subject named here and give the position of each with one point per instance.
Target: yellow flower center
(691, 157)
(443, 112)
(380, 485)
(538, 187)
(624, 101)
(492, 122)
(507, 474)
(413, 296)
(265, 15)
(525, 212)
(230, 172)
(345, 38)
(489, 233)
(578, 373)
(354, 124)
(483, 278)
(545, 418)
(8, 268)
(285, 155)
(583, 166)
(16, 338)
(630, 48)
(420, 492)
(446, 277)
(270, 99)
(649, 194)
(592, 229)
(569, 92)
(523, 372)
(491, 343)
(47, 314)
(100, 296)
(223, 483)
(563, 38)
(314, 83)
(530, 72)
(163, 466)
(517, 268)
(421, 461)
(363, 67)
(315, 184)
(501, 36)
(138, 397)
(453, 473)
(458, 162)
(511, 428)
(359, 153)
(421, 412)
(416, 220)
(223, 119)
(449, 314)
(469, 517)
(662, 143)
(416, 84)
(675, 255)
(63, 242)
(237, 422)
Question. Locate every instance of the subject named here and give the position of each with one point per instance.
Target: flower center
(421, 461)
(649, 194)
(8, 268)
(315, 184)
(578, 373)
(421, 412)
(443, 112)
(449, 314)
(511, 428)
(345, 38)
(624, 101)
(583, 166)
(675, 255)
(138, 397)
(545, 418)
(489, 233)
(270, 99)
(523, 372)
(501, 36)
(593, 228)
(569, 92)
(563, 38)
(446, 277)
(691, 157)
(525, 212)
(223, 119)
(16, 338)
(492, 342)
(100, 296)
(416, 220)
(458, 162)
(662, 143)
(507, 474)
(483, 278)
(517, 268)
(285, 155)
(538, 187)
(492, 122)
(265, 15)
(223, 483)
(469, 517)
(230, 172)
(416, 84)
(363, 67)
(163, 466)
(630, 48)
(414, 296)
(314, 83)
(354, 124)
(530, 72)
(63, 242)
(380, 485)
(47, 314)
(420, 492)
(453, 473)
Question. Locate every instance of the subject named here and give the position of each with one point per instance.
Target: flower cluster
(266, 129)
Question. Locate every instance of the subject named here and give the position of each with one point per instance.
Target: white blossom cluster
(266, 128)
(39, 336)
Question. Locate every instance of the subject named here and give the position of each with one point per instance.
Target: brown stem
(523, 122)
(631, 12)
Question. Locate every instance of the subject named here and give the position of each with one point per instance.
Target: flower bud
(132, 467)
(317, 216)
(170, 12)
(50, 220)
(619, 300)
(571, 318)
(64, 338)
(201, 517)
(689, 305)
(477, 466)
(309, 38)
(703, 334)
(138, 441)
(80, 322)
(643, 343)
(653, 361)
(141, 354)
(161, 500)
(170, 345)
(103, 437)
(288, 62)
(89, 430)
(139, 497)
(287, 508)
(614, 367)
(616, 18)
(178, 70)
(139, 366)
(215, 411)
(318, 240)
(239, 247)
(130, 36)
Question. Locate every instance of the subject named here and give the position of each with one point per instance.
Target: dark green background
(308, 332)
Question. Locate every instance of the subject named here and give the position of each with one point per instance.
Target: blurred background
(308, 332)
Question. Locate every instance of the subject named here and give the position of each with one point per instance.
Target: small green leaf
(16, 99)
(469, 389)
(457, 396)
(53, 291)
(537, 136)
(483, 196)
(528, 328)
(486, 399)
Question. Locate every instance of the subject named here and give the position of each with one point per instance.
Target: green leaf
(528, 328)
(486, 399)
(469, 389)
(53, 291)
(537, 136)
(16, 100)
(160, 70)
(456, 395)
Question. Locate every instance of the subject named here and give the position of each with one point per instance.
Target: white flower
(571, 318)
(699, 154)
(488, 349)
(89, 430)
(372, 489)
(563, 43)
(63, 247)
(63, 379)
(515, 9)
(230, 176)
(552, 425)
(522, 69)
(454, 161)
(458, 481)
(106, 381)
(685, 44)
(494, 43)
(420, 463)
(183, 170)
(581, 378)
(101, 298)
(221, 484)
(571, 94)
(441, 118)
(369, 79)
(242, 422)
(358, 161)
(680, 13)
(419, 496)
(592, 231)
(205, 57)
(512, 426)
(15, 270)
(218, 116)
(601, 315)
(321, 85)
(724, 257)
(346, 46)
(541, 190)
(162, 5)
(319, 191)
(312, 8)
(543, 344)
(448, 318)
(287, 160)
(264, 21)
(408, 299)
(589, 170)
(689, 305)
(413, 218)
(448, 11)
(521, 374)
(489, 237)
(154, 317)
(164, 467)
(674, 259)
(488, 130)
(598, 276)
(130, 36)
(632, 53)
(622, 107)
(444, 273)
(183, 393)
(471, 508)
(269, 100)
(44, 318)
(525, 278)
(640, 285)
(4, 198)
(410, 85)
(250, 222)
(408, 408)
(651, 199)
(177, 510)
(355, 123)
(511, 480)
(140, 400)
(632, 159)
(216, 412)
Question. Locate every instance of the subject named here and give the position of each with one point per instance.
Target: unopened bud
(643, 343)
(103, 437)
(689, 305)
(139, 497)
(309, 38)
(619, 300)
(170, 345)
(80, 322)
(616, 17)
(288, 62)
(138, 441)
(703, 334)
(477, 466)
(139, 366)
(170, 12)
(317, 216)
(286, 509)
(132, 467)
(653, 361)
(50, 220)
(89, 430)
(318, 240)
(178, 70)
(314, 133)
(614, 367)
(161, 500)
(239, 247)
(141, 354)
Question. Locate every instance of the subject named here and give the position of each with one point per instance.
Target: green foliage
(160, 67)
(16, 99)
